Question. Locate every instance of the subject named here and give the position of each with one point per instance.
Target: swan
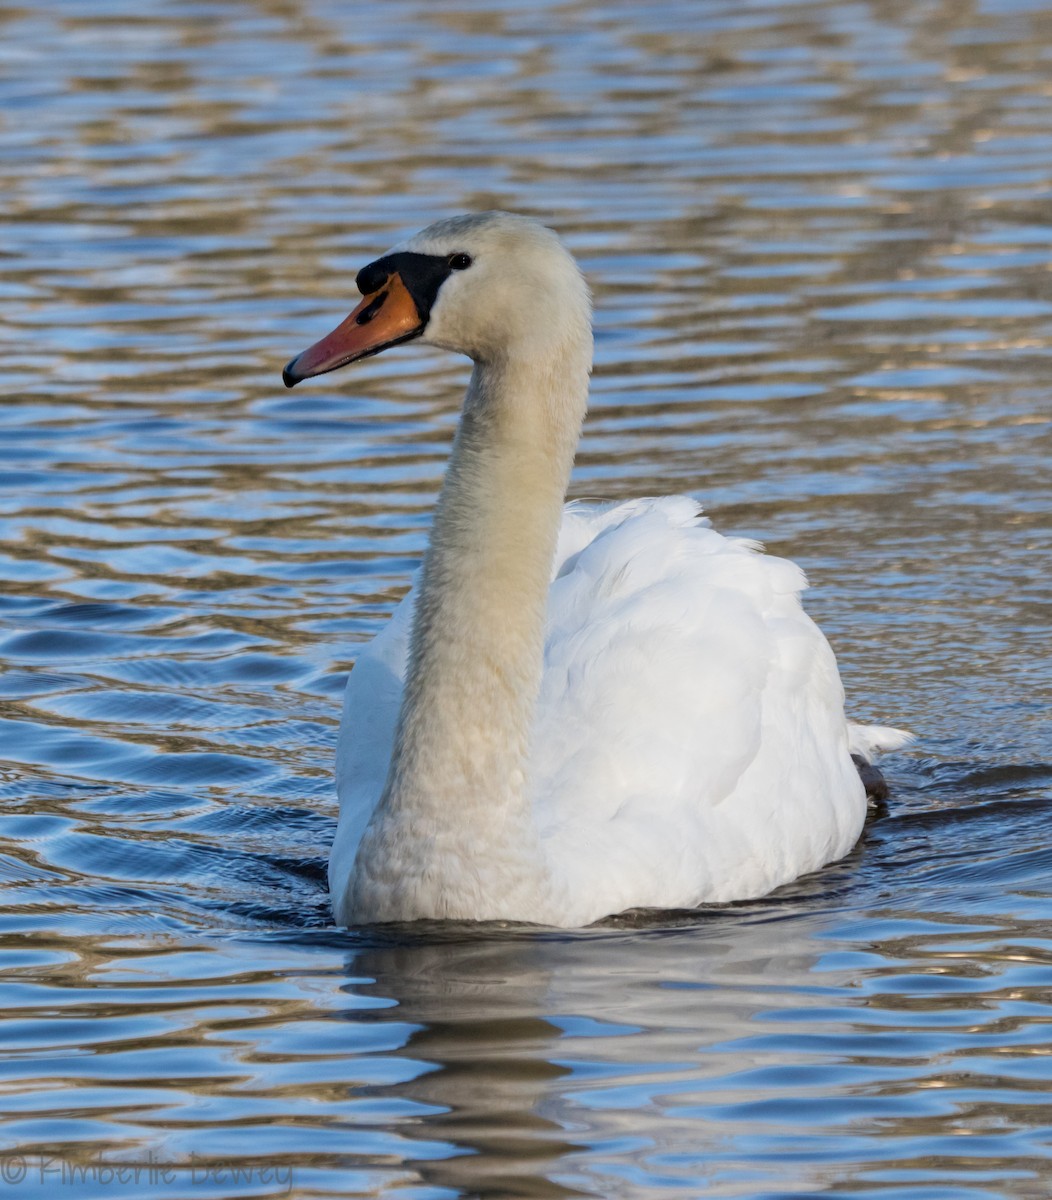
(576, 710)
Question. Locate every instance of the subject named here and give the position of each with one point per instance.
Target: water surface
(818, 236)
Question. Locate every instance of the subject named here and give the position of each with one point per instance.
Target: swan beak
(384, 318)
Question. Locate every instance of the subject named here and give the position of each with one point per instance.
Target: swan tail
(868, 741)
(865, 743)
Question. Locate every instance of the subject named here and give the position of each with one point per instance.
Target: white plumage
(690, 743)
(602, 707)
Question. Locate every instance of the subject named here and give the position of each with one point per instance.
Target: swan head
(491, 285)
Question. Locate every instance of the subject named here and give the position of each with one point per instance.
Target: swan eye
(459, 262)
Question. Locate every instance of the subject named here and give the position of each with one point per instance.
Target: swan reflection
(535, 1047)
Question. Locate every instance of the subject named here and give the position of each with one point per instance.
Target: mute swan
(577, 710)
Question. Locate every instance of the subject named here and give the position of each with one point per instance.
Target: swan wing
(690, 742)
(371, 703)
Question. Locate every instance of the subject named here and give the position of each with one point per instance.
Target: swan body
(576, 710)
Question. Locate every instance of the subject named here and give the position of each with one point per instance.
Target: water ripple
(817, 236)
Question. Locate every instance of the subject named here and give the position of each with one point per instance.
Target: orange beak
(385, 317)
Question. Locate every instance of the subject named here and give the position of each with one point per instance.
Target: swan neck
(478, 639)
(458, 775)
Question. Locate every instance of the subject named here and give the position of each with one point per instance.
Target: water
(818, 235)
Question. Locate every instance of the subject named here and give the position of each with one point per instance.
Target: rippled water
(819, 238)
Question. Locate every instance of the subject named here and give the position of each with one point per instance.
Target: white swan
(577, 710)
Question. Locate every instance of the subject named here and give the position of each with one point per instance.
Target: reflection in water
(485, 1051)
(539, 1061)
(818, 239)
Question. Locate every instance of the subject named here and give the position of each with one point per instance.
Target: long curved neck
(478, 639)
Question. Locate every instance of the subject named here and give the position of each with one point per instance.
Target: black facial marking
(422, 274)
(371, 309)
(372, 278)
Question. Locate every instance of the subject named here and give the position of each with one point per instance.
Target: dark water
(819, 238)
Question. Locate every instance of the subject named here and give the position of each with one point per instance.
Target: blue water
(818, 236)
